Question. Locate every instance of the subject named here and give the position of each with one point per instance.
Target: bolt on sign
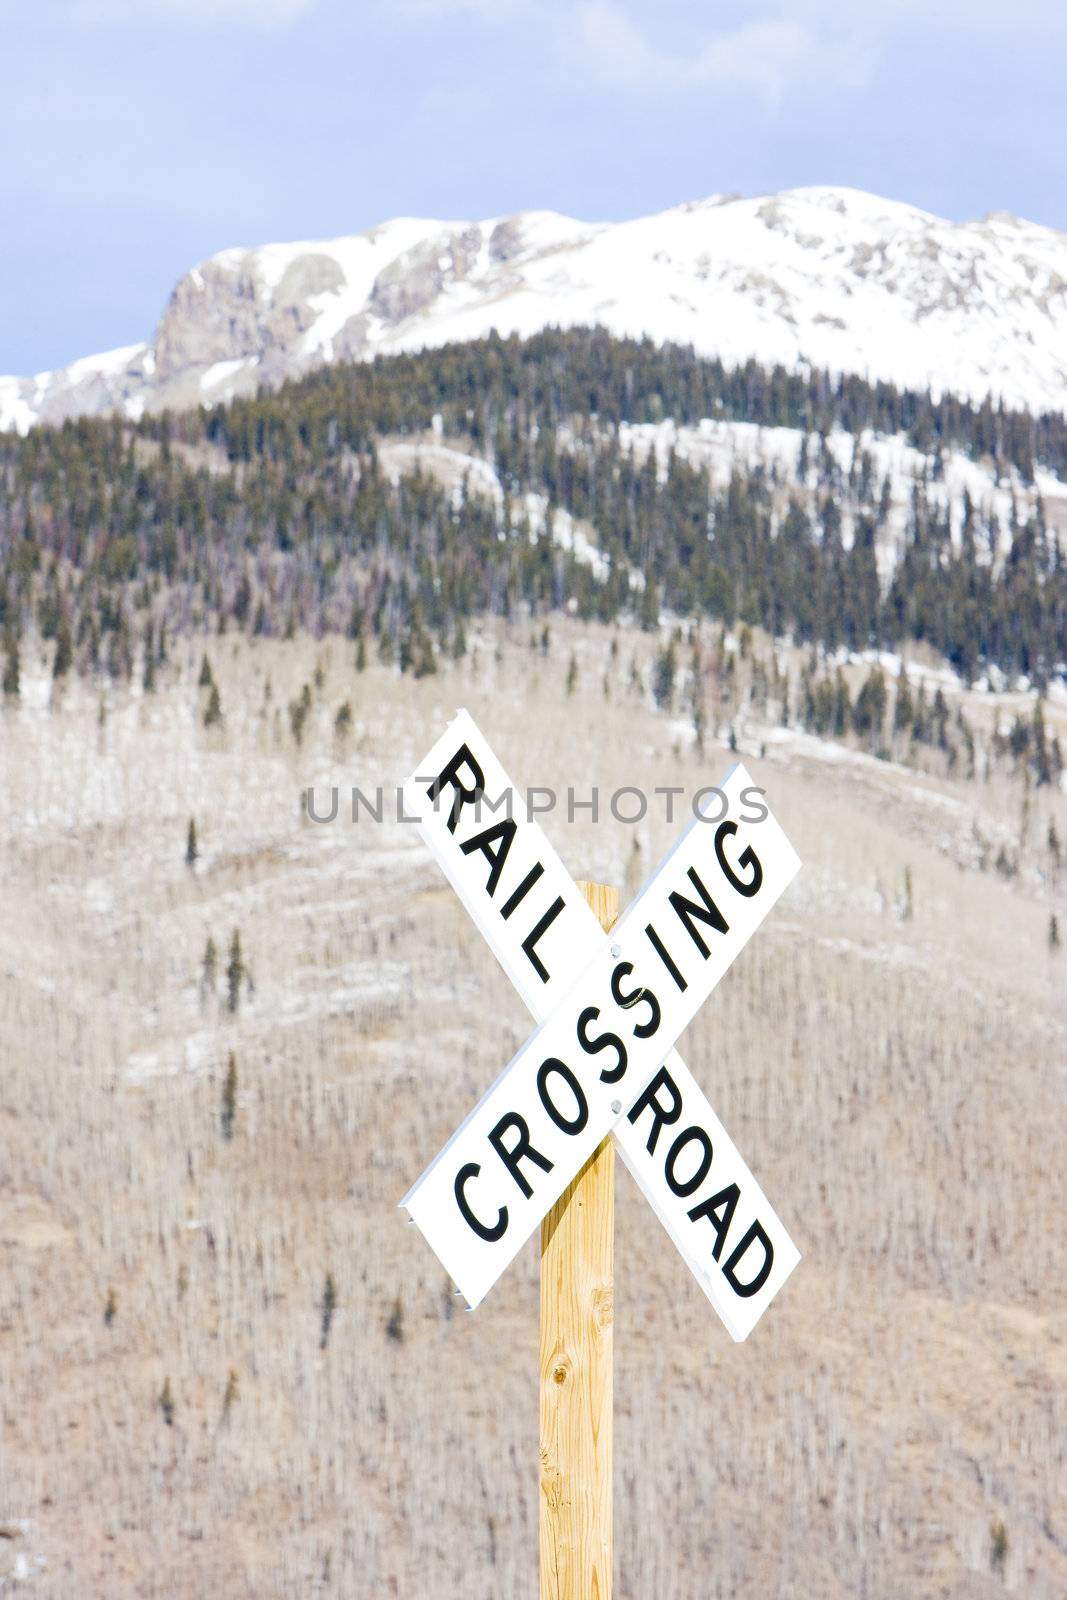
(609, 1009)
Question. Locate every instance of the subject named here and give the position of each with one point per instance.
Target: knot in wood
(604, 1307)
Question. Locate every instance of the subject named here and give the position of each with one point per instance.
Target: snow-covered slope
(830, 277)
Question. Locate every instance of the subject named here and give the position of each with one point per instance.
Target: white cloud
(766, 56)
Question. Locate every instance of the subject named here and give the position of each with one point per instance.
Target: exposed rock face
(212, 316)
(830, 277)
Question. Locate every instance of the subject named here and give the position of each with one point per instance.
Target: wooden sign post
(577, 1324)
(600, 1070)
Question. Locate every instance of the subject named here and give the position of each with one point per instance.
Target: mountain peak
(823, 276)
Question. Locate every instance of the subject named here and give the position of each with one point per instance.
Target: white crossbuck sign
(609, 1008)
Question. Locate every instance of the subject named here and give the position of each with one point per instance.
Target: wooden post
(577, 1317)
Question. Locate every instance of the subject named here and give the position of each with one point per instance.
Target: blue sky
(142, 135)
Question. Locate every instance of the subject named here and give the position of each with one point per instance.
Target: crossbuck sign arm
(610, 1010)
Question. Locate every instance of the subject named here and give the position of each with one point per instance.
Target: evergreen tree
(842, 706)
(213, 711)
(235, 972)
(230, 1393)
(940, 719)
(868, 713)
(166, 1403)
(12, 676)
(907, 909)
(664, 673)
(209, 967)
(298, 713)
(394, 1327)
(229, 1096)
(192, 852)
(64, 655)
(1041, 762)
(998, 1546)
(328, 1309)
(424, 662)
(903, 706)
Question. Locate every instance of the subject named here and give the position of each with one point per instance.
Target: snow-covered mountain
(830, 277)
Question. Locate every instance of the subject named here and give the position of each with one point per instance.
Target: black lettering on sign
(499, 835)
(529, 944)
(690, 913)
(687, 1186)
(757, 1234)
(648, 1100)
(603, 1041)
(665, 956)
(464, 794)
(635, 997)
(554, 1068)
(484, 1230)
(748, 859)
(521, 1150)
(719, 1211)
(518, 895)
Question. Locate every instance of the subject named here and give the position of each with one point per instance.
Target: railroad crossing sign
(609, 1009)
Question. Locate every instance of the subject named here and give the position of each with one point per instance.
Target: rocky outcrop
(823, 277)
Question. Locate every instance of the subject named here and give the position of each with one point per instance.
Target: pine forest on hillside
(274, 515)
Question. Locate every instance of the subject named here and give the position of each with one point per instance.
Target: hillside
(233, 1037)
(181, 1416)
(818, 278)
(398, 500)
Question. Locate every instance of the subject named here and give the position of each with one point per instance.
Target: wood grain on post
(577, 1319)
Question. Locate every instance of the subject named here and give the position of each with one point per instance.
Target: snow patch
(220, 372)
(827, 277)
